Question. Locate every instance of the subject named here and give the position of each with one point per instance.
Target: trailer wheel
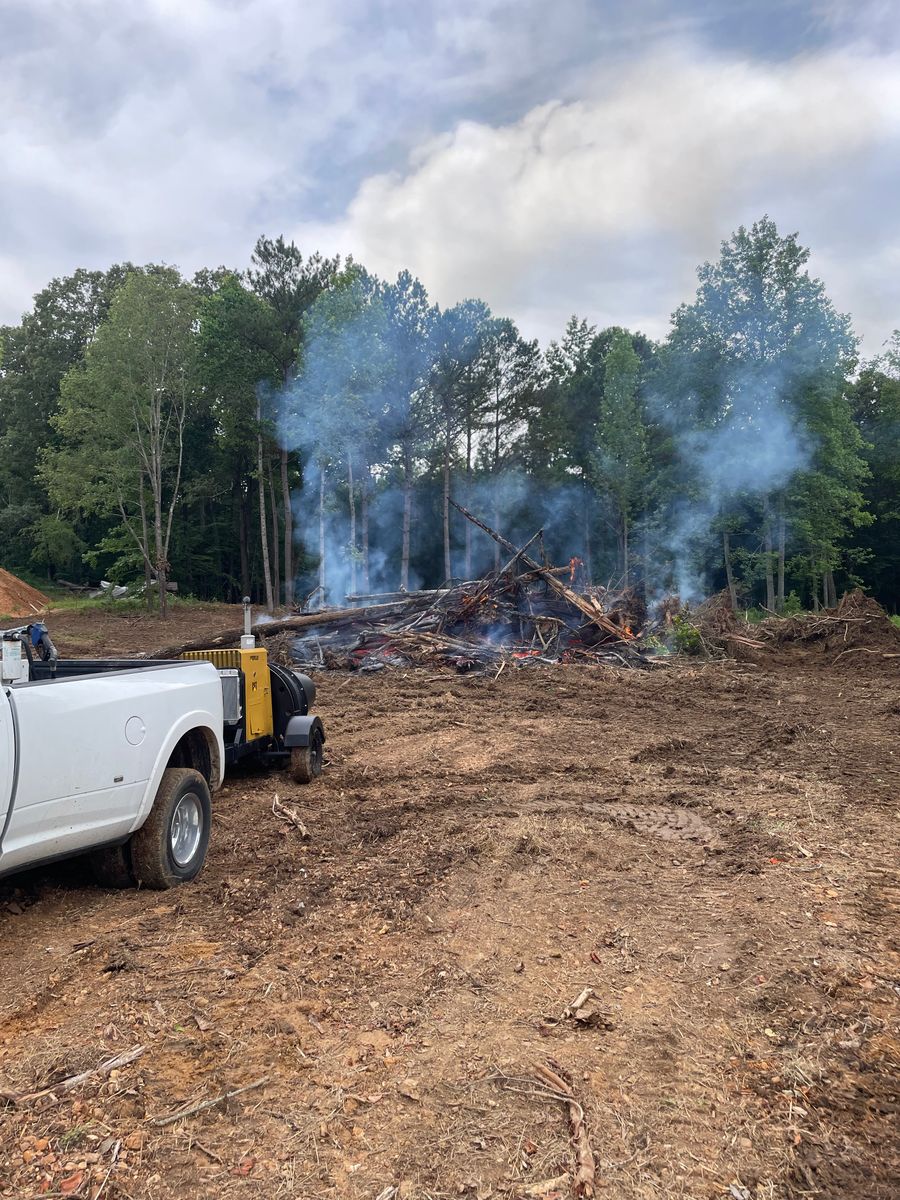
(111, 867)
(306, 761)
(170, 847)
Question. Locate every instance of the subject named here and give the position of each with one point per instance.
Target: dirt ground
(711, 849)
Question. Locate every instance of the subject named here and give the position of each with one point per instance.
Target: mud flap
(300, 731)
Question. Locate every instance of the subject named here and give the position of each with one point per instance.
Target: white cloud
(665, 161)
(586, 163)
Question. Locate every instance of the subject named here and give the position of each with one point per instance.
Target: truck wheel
(170, 847)
(306, 761)
(112, 867)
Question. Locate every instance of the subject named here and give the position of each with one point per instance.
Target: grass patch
(126, 606)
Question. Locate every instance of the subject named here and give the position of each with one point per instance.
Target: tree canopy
(301, 426)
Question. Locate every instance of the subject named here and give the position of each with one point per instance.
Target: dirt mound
(858, 622)
(851, 633)
(18, 598)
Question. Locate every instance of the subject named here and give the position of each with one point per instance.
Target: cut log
(326, 619)
(394, 597)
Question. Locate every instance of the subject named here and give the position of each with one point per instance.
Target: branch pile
(855, 631)
(523, 614)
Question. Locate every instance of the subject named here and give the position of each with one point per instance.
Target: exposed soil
(710, 849)
(18, 598)
(124, 632)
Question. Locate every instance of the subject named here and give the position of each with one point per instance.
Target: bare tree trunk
(586, 506)
(276, 563)
(145, 535)
(496, 483)
(407, 517)
(448, 566)
(770, 578)
(323, 579)
(353, 547)
(364, 522)
(729, 573)
(161, 564)
(830, 590)
(625, 548)
(263, 535)
(779, 599)
(468, 524)
(288, 532)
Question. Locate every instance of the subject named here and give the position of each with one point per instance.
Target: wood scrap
(73, 1081)
(553, 1077)
(192, 1111)
(284, 812)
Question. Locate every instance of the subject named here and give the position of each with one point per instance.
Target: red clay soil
(19, 599)
(710, 849)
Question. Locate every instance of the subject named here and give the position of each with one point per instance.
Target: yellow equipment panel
(254, 666)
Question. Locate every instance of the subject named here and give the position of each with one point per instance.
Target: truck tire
(111, 867)
(306, 761)
(170, 847)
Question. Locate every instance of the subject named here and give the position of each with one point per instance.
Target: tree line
(296, 431)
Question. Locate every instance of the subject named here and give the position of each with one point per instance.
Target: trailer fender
(301, 730)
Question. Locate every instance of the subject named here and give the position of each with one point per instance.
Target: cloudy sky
(574, 156)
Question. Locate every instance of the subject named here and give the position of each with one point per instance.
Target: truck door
(80, 775)
(7, 763)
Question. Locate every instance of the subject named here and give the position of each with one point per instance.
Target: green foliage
(875, 400)
(763, 348)
(686, 636)
(121, 416)
(56, 547)
(146, 422)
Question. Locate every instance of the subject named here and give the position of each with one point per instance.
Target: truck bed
(73, 668)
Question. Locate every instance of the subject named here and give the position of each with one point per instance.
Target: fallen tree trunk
(363, 598)
(326, 619)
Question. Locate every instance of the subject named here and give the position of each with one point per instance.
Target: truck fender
(206, 723)
(300, 730)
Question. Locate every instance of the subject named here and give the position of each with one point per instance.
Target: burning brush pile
(525, 613)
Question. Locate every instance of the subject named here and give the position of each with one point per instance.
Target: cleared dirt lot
(711, 849)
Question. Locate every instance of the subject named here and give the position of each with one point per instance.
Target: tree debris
(192, 1111)
(522, 615)
(553, 1077)
(66, 1085)
(284, 812)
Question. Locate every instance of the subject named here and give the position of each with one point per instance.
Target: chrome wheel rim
(186, 829)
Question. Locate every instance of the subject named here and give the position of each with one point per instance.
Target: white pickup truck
(114, 758)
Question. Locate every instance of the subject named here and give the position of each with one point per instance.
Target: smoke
(747, 456)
